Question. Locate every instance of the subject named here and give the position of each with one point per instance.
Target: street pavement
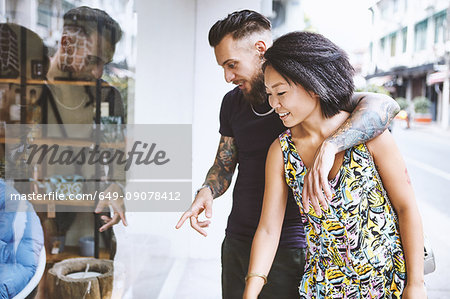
(426, 150)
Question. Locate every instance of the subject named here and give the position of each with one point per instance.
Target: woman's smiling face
(291, 101)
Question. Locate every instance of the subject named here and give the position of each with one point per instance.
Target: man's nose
(229, 76)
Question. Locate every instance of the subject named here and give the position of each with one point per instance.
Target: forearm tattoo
(368, 120)
(220, 174)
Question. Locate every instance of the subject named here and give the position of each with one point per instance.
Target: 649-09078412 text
(144, 195)
(56, 196)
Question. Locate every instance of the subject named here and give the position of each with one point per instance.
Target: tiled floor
(142, 270)
(175, 278)
(200, 279)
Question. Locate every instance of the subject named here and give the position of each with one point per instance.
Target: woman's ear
(314, 95)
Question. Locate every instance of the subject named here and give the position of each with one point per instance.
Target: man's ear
(261, 47)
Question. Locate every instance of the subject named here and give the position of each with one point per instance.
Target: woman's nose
(273, 102)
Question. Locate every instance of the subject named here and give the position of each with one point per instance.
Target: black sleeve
(225, 116)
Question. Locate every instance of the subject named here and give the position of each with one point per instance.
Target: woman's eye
(281, 93)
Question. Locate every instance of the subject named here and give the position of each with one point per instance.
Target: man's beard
(257, 94)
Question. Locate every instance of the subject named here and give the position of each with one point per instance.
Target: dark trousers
(282, 282)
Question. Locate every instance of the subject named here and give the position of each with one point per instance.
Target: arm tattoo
(220, 174)
(370, 118)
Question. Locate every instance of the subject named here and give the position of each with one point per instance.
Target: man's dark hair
(240, 24)
(94, 20)
(317, 64)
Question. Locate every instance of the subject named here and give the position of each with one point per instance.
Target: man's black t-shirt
(253, 136)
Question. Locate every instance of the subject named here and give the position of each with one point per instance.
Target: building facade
(409, 51)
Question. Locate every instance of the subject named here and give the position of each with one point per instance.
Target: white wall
(165, 61)
(209, 89)
(178, 81)
(164, 95)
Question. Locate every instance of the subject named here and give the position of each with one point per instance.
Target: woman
(357, 247)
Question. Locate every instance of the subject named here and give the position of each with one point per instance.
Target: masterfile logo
(86, 155)
(70, 165)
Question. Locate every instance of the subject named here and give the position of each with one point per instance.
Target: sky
(345, 22)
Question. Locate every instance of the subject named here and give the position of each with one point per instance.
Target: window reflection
(62, 62)
(82, 55)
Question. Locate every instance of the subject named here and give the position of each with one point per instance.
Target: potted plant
(403, 103)
(422, 109)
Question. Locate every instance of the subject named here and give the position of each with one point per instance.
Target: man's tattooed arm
(220, 174)
(371, 116)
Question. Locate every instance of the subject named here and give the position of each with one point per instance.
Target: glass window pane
(393, 41)
(404, 38)
(421, 35)
(439, 30)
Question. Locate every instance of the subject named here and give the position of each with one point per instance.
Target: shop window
(66, 6)
(395, 6)
(393, 42)
(420, 33)
(439, 27)
(382, 45)
(44, 13)
(111, 65)
(70, 65)
(404, 38)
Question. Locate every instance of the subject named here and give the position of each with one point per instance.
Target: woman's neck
(317, 127)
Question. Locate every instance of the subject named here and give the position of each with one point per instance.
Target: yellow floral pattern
(354, 248)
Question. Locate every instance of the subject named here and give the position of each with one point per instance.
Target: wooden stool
(60, 284)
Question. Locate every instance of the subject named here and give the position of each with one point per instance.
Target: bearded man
(248, 126)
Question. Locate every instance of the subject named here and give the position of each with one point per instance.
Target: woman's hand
(247, 296)
(253, 287)
(415, 292)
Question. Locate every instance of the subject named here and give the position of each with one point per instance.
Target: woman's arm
(371, 114)
(394, 175)
(267, 237)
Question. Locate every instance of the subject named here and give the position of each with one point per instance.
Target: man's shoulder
(232, 100)
(233, 95)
